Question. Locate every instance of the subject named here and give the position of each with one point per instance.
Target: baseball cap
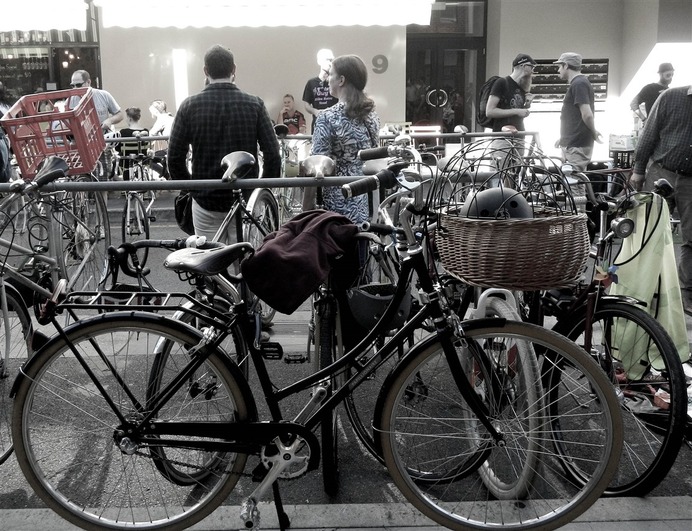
(665, 67)
(570, 59)
(523, 59)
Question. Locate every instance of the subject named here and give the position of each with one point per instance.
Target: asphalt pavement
(368, 499)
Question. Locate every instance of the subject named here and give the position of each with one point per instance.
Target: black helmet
(496, 203)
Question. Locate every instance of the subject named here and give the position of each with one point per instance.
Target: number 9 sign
(380, 63)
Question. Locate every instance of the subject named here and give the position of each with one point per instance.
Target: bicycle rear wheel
(165, 363)
(642, 362)
(135, 225)
(265, 213)
(72, 444)
(15, 327)
(427, 430)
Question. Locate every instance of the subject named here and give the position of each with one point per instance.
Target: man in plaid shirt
(217, 121)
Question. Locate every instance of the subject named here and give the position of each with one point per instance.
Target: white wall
(137, 66)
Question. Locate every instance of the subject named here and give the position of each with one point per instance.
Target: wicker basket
(516, 254)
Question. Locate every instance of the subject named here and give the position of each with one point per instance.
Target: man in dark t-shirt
(648, 94)
(577, 127)
(508, 104)
(316, 94)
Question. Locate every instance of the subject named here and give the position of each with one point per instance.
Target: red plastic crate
(74, 134)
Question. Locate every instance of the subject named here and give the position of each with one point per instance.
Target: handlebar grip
(359, 187)
(373, 153)
(382, 229)
(362, 186)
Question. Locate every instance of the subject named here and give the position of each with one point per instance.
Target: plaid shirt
(215, 122)
(667, 133)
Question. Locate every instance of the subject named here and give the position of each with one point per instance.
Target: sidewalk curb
(658, 513)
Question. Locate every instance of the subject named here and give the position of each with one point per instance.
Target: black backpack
(483, 95)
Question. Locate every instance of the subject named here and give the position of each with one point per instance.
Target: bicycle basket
(515, 254)
(369, 302)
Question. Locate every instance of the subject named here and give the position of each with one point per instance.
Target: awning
(256, 13)
(43, 15)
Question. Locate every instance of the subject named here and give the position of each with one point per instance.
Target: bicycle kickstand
(284, 521)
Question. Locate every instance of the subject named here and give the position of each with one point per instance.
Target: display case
(547, 86)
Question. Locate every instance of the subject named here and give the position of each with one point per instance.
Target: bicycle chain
(198, 467)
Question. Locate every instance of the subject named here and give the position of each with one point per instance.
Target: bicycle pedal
(152, 218)
(295, 357)
(271, 351)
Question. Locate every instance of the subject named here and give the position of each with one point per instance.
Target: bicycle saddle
(207, 262)
(52, 168)
(281, 130)
(316, 166)
(238, 165)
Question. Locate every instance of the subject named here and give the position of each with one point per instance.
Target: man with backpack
(507, 103)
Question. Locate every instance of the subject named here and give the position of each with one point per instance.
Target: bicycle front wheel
(85, 239)
(135, 225)
(326, 354)
(15, 330)
(643, 364)
(435, 446)
(70, 427)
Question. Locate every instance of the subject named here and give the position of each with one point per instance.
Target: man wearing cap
(666, 139)
(577, 129)
(648, 94)
(508, 104)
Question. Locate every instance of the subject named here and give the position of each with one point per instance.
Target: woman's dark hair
(133, 113)
(219, 62)
(355, 73)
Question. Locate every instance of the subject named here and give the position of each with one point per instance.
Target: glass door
(445, 64)
(441, 84)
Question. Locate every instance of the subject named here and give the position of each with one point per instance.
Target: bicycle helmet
(496, 203)
(369, 302)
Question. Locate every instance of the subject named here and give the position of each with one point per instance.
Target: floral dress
(340, 137)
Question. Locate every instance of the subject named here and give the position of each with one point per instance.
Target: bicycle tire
(513, 371)
(85, 239)
(653, 436)
(326, 354)
(264, 209)
(87, 478)
(135, 225)
(19, 331)
(434, 432)
(233, 348)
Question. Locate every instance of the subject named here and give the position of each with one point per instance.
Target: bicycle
(633, 348)
(289, 199)
(617, 331)
(186, 428)
(136, 217)
(63, 241)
